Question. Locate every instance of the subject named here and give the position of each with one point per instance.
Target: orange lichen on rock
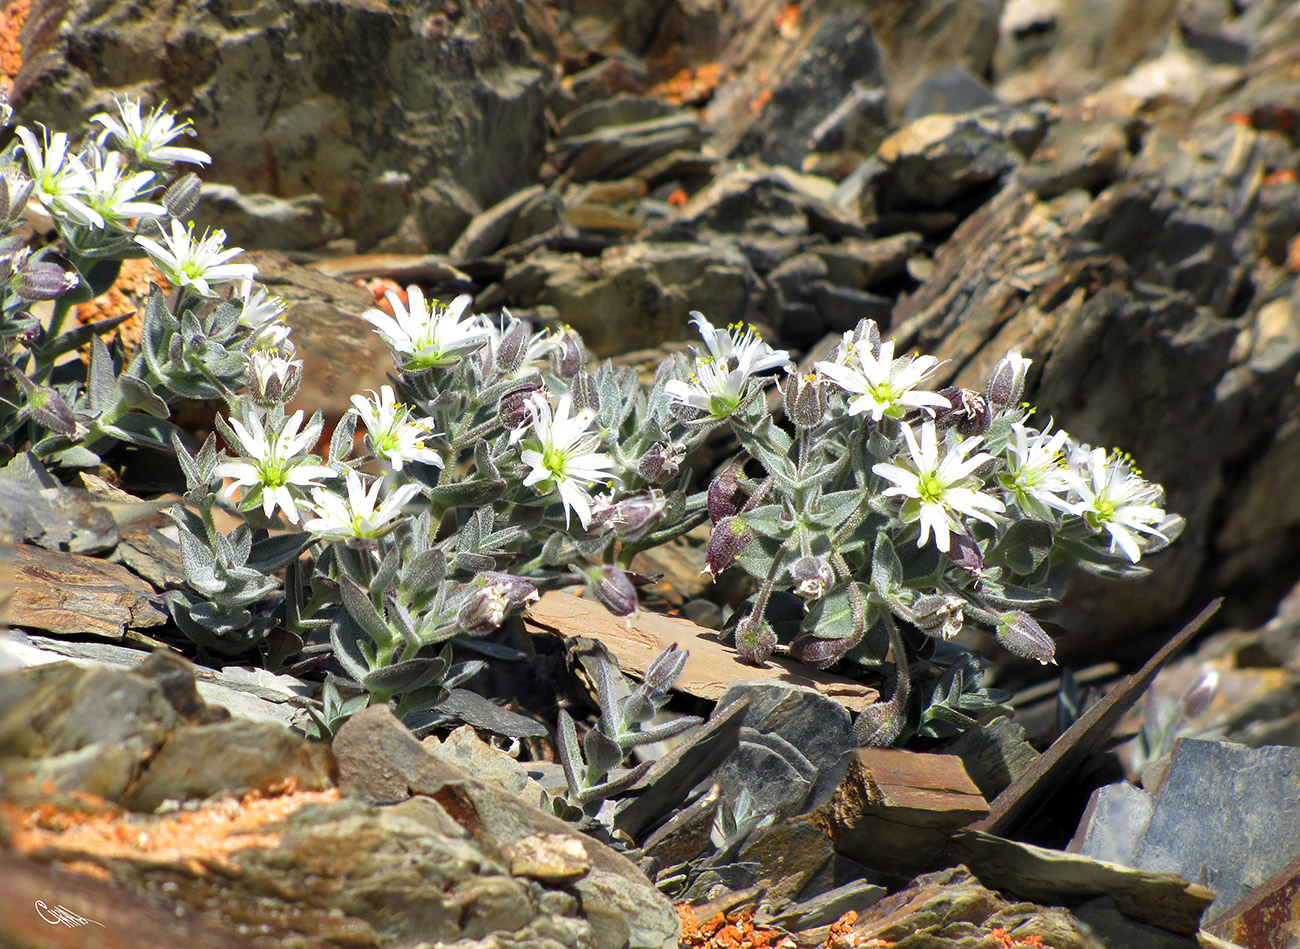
(193, 839)
(1008, 941)
(128, 295)
(12, 18)
(734, 931)
(690, 86)
(787, 21)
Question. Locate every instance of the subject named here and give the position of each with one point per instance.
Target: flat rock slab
(712, 665)
(71, 595)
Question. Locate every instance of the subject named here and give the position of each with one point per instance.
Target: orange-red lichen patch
(12, 18)
(128, 295)
(734, 931)
(787, 21)
(1008, 941)
(690, 86)
(193, 839)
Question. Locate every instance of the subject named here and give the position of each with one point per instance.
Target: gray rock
(263, 220)
(1245, 806)
(951, 90)
(488, 230)
(611, 152)
(865, 264)
(796, 277)
(820, 729)
(841, 308)
(379, 760)
(1112, 826)
(380, 100)
(686, 835)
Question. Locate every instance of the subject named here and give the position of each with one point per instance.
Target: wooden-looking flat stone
(711, 666)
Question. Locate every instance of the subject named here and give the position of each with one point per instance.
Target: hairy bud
(636, 514)
(512, 348)
(964, 552)
(728, 537)
(661, 463)
(819, 653)
(938, 614)
(617, 592)
(43, 280)
(1020, 633)
(182, 196)
(583, 388)
(866, 336)
(513, 408)
(1007, 384)
(501, 594)
(754, 640)
(568, 357)
(665, 669)
(806, 399)
(51, 411)
(725, 496)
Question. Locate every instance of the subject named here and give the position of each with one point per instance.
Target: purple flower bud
(568, 357)
(661, 463)
(879, 725)
(754, 640)
(813, 577)
(969, 412)
(513, 408)
(818, 653)
(806, 399)
(728, 537)
(1007, 384)
(725, 496)
(499, 596)
(51, 411)
(43, 280)
(583, 389)
(964, 552)
(617, 592)
(665, 669)
(866, 335)
(1020, 633)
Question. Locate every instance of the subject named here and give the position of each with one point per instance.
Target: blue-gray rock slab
(381, 761)
(1226, 816)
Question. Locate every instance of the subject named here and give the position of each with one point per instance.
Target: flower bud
(14, 192)
(617, 592)
(754, 640)
(866, 336)
(274, 375)
(512, 348)
(501, 594)
(964, 552)
(938, 614)
(728, 537)
(182, 196)
(806, 399)
(665, 668)
(725, 496)
(636, 514)
(514, 407)
(51, 411)
(969, 412)
(1007, 384)
(568, 357)
(661, 463)
(1198, 698)
(583, 389)
(813, 577)
(879, 725)
(818, 653)
(43, 280)
(1020, 633)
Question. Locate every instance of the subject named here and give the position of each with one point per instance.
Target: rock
(1078, 152)
(819, 728)
(1164, 900)
(608, 151)
(864, 264)
(952, 90)
(487, 231)
(895, 809)
(1246, 832)
(710, 666)
(789, 855)
(1265, 916)
(951, 908)
(549, 858)
(379, 760)
(375, 90)
(994, 755)
(937, 158)
(660, 282)
(68, 594)
(263, 220)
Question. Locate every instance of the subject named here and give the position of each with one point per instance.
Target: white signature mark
(59, 915)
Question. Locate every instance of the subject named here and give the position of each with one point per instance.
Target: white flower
(560, 454)
(425, 335)
(357, 518)
(1113, 498)
(717, 384)
(60, 180)
(1036, 471)
(884, 386)
(394, 436)
(936, 489)
(258, 309)
(274, 463)
(146, 137)
(198, 263)
(115, 195)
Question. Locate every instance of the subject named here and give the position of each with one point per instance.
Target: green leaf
(1025, 545)
(835, 508)
(769, 520)
(403, 676)
(341, 440)
(137, 395)
(140, 429)
(101, 378)
(357, 603)
(886, 568)
(271, 553)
